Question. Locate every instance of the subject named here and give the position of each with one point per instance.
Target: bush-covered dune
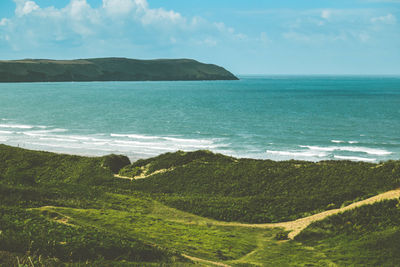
(256, 191)
(34, 179)
(109, 69)
(64, 210)
(32, 167)
(367, 236)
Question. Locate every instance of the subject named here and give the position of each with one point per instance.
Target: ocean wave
(169, 146)
(341, 142)
(298, 153)
(85, 138)
(191, 141)
(58, 139)
(16, 126)
(42, 132)
(135, 136)
(167, 138)
(133, 145)
(6, 132)
(371, 151)
(354, 158)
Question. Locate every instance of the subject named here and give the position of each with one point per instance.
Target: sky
(245, 37)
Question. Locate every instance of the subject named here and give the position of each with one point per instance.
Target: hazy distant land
(109, 69)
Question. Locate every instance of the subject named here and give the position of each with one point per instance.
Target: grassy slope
(367, 236)
(109, 222)
(109, 69)
(257, 191)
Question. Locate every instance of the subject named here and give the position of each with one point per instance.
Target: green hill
(65, 210)
(109, 69)
(259, 191)
(366, 236)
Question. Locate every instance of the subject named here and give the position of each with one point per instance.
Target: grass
(367, 236)
(196, 238)
(258, 191)
(60, 210)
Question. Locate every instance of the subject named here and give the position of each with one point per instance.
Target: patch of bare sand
(143, 175)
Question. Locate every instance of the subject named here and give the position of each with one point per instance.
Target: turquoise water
(272, 117)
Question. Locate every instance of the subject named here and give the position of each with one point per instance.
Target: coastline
(64, 151)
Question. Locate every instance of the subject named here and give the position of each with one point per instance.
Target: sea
(279, 117)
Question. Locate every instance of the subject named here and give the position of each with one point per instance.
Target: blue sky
(246, 37)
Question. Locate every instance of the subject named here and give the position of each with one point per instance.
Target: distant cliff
(109, 69)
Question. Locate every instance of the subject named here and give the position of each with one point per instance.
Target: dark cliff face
(110, 69)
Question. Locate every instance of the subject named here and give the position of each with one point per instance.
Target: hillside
(109, 69)
(258, 191)
(367, 236)
(65, 210)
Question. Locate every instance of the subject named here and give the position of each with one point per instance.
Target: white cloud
(155, 16)
(131, 24)
(25, 7)
(326, 14)
(118, 7)
(314, 37)
(229, 31)
(364, 37)
(78, 9)
(209, 41)
(4, 22)
(357, 25)
(223, 28)
(388, 19)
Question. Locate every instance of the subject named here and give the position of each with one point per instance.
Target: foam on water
(135, 136)
(16, 126)
(354, 158)
(341, 142)
(6, 132)
(298, 153)
(371, 151)
(138, 145)
(134, 145)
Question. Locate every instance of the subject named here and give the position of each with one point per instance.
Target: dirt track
(298, 225)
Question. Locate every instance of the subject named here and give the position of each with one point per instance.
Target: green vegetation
(258, 191)
(29, 231)
(109, 69)
(115, 162)
(27, 167)
(365, 236)
(63, 210)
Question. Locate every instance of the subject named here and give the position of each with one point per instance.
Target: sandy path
(143, 175)
(298, 225)
(123, 177)
(205, 261)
